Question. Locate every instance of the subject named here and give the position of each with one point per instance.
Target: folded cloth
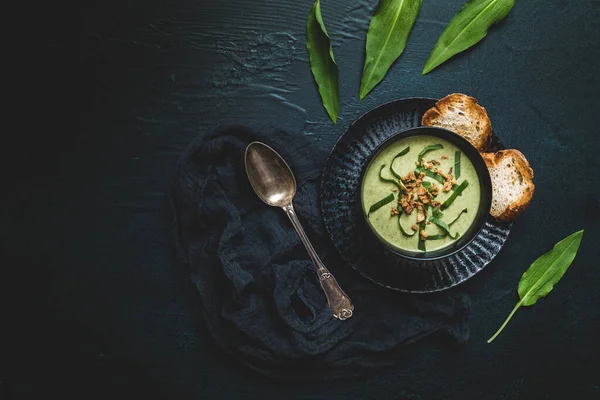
(258, 290)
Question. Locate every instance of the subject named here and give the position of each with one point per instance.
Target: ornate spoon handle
(339, 302)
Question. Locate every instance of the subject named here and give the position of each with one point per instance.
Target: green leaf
(322, 63)
(430, 174)
(468, 27)
(444, 226)
(544, 273)
(454, 195)
(402, 153)
(397, 175)
(404, 231)
(427, 149)
(388, 199)
(386, 39)
(398, 183)
(464, 210)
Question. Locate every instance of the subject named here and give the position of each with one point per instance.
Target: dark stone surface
(110, 93)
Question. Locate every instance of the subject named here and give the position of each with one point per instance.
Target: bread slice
(461, 114)
(512, 183)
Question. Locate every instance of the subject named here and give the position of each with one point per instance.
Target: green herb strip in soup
(420, 193)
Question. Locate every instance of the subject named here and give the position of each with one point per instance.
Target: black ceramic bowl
(485, 185)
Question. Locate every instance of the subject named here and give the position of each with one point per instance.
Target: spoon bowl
(270, 176)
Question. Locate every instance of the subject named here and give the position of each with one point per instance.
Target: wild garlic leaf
(468, 27)
(386, 39)
(544, 273)
(322, 62)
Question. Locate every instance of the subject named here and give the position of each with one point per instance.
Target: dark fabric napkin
(258, 290)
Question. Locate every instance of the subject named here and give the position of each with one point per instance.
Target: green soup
(441, 208)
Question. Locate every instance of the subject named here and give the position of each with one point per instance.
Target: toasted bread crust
(518, 206)
(481, 138)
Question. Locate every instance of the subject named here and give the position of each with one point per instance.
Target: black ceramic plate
(341, 210)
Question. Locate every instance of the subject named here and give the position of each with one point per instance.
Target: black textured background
(108, 94)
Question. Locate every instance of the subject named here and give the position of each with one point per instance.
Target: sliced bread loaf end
(461, 114)
(512, 182)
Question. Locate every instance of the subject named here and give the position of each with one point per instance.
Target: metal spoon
(273, 182)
